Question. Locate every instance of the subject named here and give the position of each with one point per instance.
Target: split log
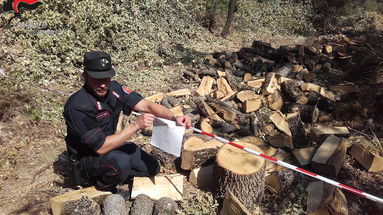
(202, 177)
(165, 206)
(57, 203)
(311, 87)
(280, 140)
(114, 205)
(226, 113)
(278, 120)
(308, 113)
(196, 152)
(159, 186)
(181, 92)
(251, 105)
(330, 156)
(371, 162)
(282, 182)
(323, 103)
(257, 141)
(225, 105)
(204, 125)
(275, 100)
(292, 92)
(240, 172)
(304, 155)
(155, 98)
(270, 84)
(224, 127)
(320, 133)
(207, 111)
(245, 95)
(256, 83)
(177, 110)
(325, 199)
(298, 133)
(142, 205)
(232, 205)
(205, 86)
(247, 76)
(224, 87)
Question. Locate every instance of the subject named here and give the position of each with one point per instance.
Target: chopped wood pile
(280, 102)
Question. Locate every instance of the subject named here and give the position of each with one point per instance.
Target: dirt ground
(30, 172)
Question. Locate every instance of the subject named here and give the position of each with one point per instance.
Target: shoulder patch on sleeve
(126, 90)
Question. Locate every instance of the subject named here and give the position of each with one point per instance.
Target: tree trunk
(240, 172)
(211, 10)
(230, 15)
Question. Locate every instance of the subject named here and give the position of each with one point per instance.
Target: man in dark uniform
(91, 115)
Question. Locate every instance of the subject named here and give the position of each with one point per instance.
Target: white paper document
(167, 136)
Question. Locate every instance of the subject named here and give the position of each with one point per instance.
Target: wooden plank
(202, 177)
(159, 186)
(57, 203)
(181, 92)
(205, 86)
(369, 161)
(280, 123)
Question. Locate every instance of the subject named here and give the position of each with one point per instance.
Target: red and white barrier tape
(287, 165)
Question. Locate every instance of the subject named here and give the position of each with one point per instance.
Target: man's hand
(183, 120)
(145, 120)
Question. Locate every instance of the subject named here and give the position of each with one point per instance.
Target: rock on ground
(142, 205)
(115, 205)
(165, 206)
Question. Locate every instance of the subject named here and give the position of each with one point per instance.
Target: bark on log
(298, 133)
(142, 205)
(308, 113)
(114, 205)
(292, 92)
(165, 206)
(325, 104)
(240, 172)
(84, 206)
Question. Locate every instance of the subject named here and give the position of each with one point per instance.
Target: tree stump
(240, 172)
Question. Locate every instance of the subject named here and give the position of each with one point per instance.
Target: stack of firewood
(279, 102)
(274, 99)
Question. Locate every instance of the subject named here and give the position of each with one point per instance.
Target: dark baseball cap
(98, 64)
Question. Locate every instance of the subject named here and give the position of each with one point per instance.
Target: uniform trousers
(116, 166)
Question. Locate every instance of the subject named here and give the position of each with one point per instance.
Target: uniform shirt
(89, 121)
